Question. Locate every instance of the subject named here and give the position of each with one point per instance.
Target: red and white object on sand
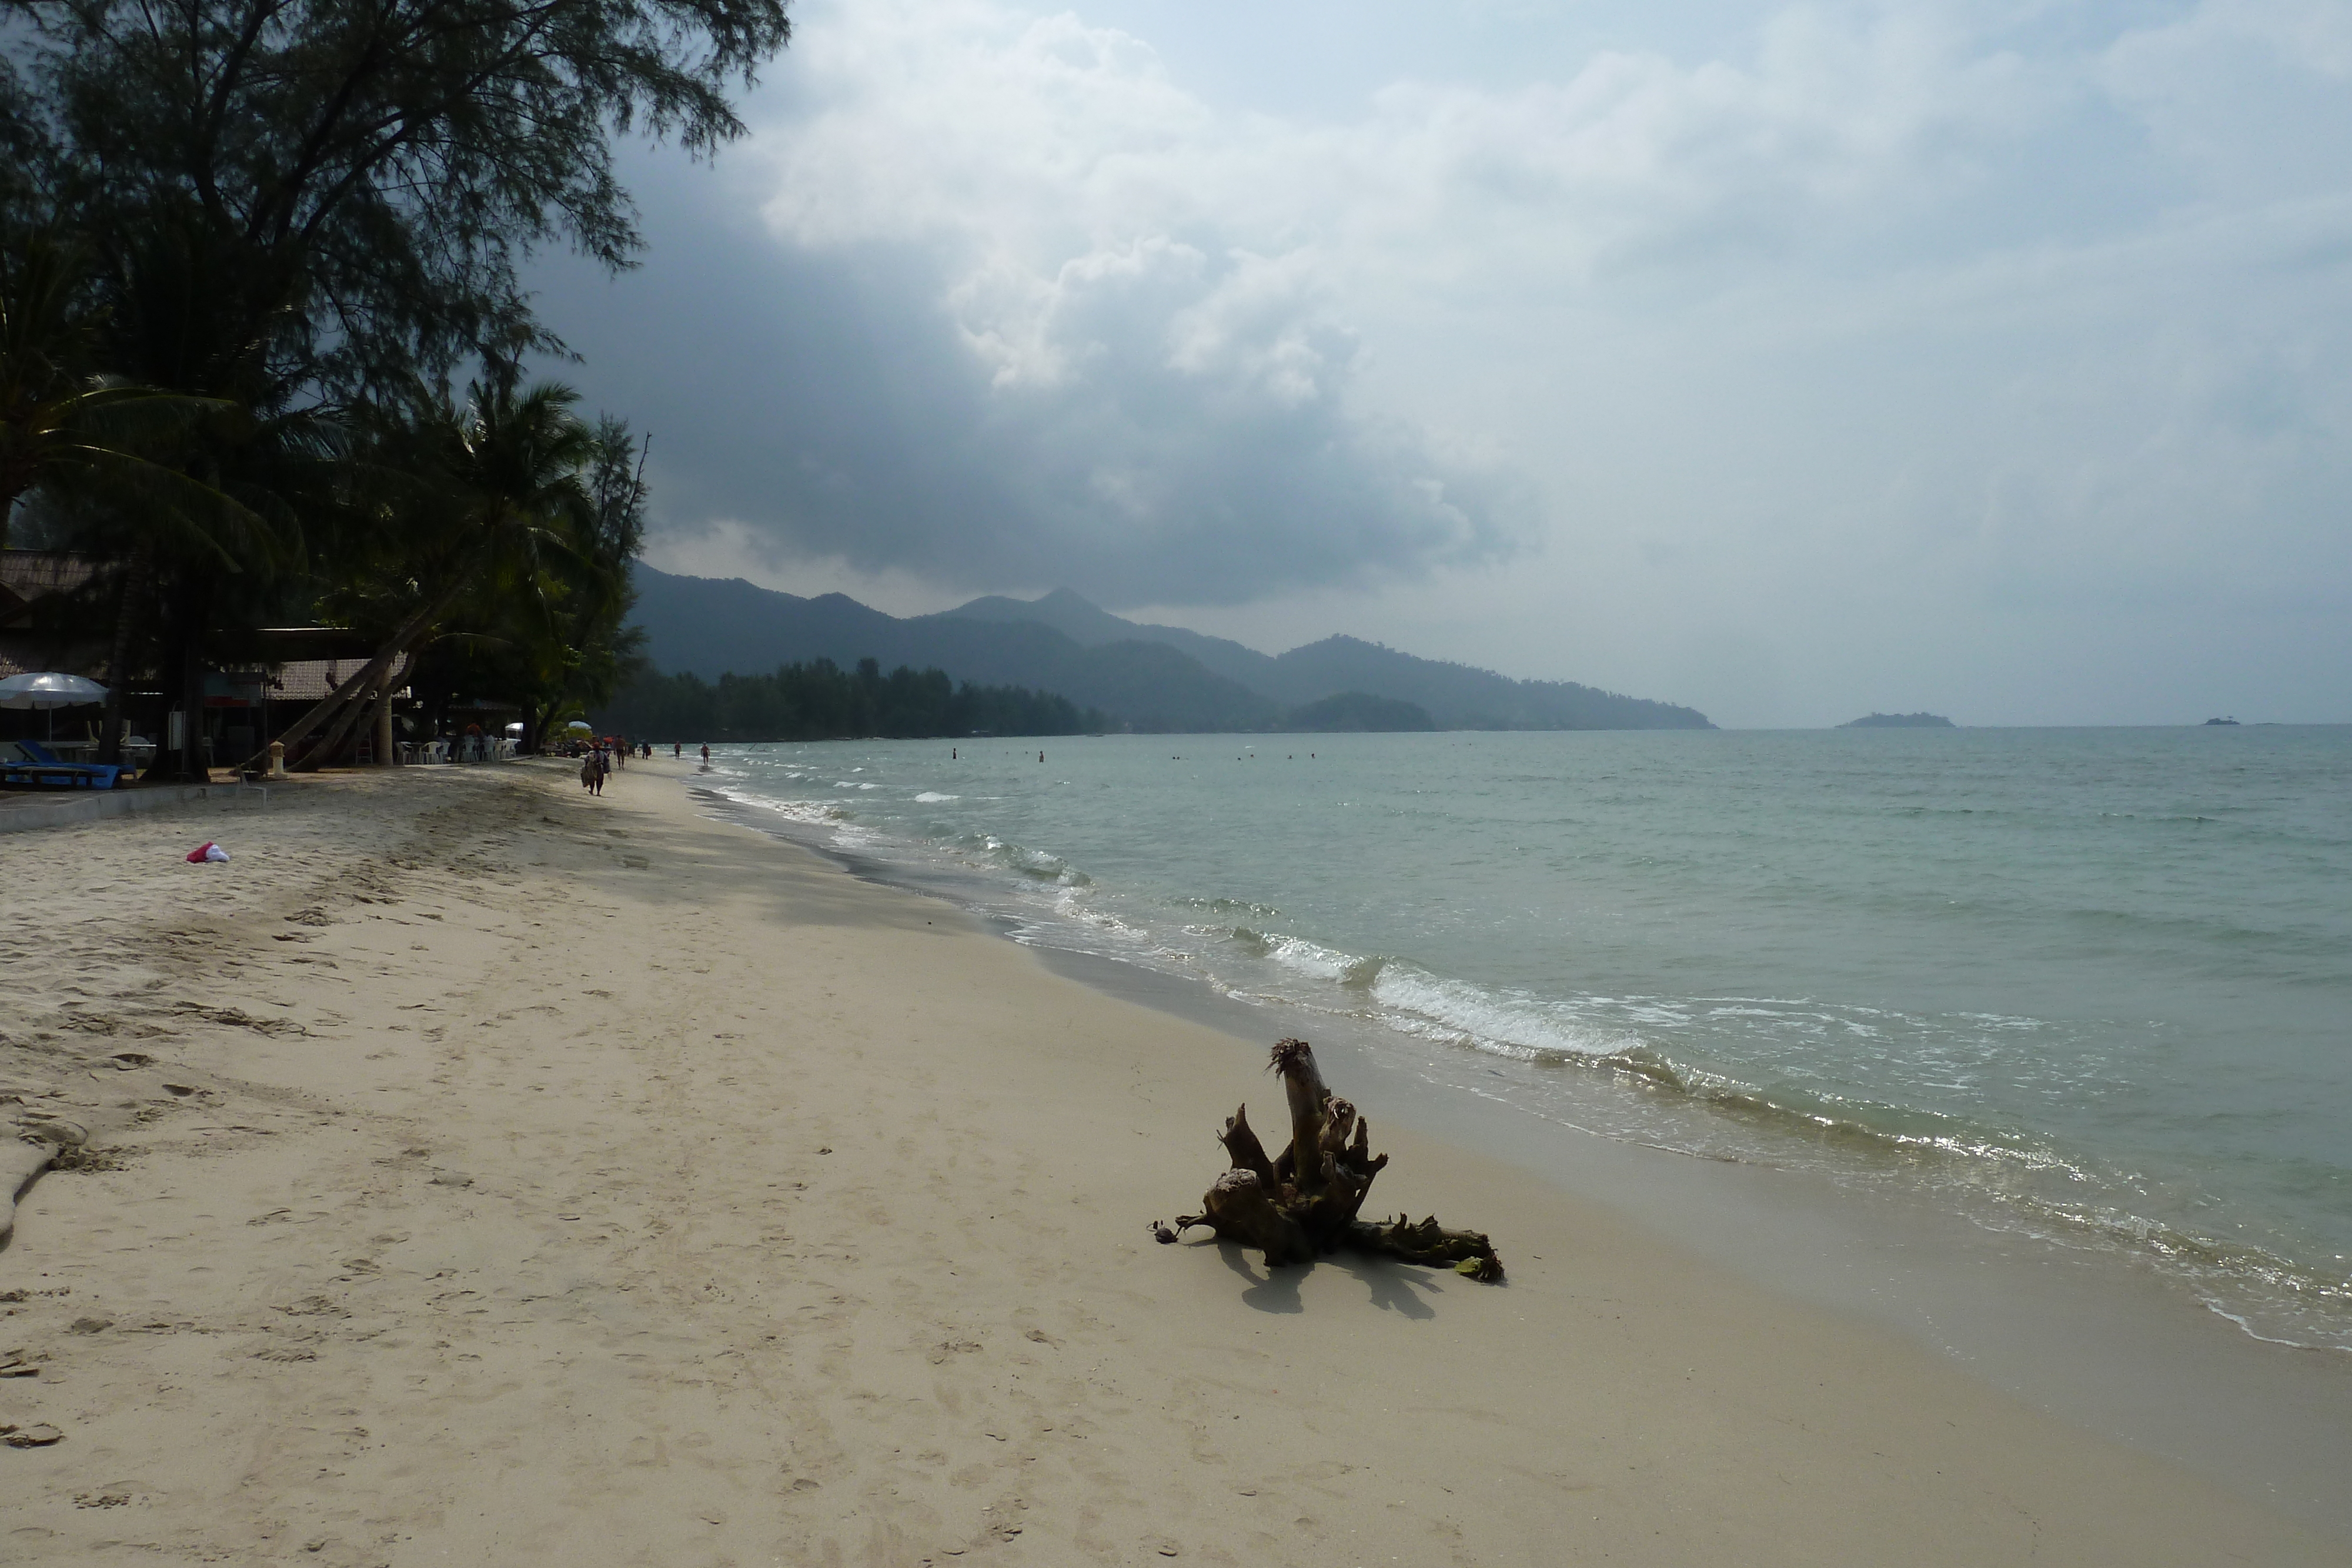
(210, 852)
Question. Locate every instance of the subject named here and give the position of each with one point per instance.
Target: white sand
(583, 1182)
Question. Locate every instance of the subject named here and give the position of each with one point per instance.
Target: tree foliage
(292, 224)
(327, 196)
(821, 701)
(81, 432)
(497, 547)
(541, 623)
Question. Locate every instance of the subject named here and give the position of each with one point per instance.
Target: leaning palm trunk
(340, 731)
(342, 702)
(323, 710)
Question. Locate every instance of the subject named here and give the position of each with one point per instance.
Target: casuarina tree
(350, 183)
(302, 208)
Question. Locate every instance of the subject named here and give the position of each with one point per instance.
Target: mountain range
(1148, 677)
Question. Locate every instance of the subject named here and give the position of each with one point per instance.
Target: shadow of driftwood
(1270, 1289)
(1393, 1287)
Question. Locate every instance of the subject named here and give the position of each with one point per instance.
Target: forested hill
(821, 701)
(1459, 696)
(1142, 677)
(710, 628)
(1456, 696)
(1090, 627)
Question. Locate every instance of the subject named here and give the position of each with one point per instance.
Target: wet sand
(474, 1171)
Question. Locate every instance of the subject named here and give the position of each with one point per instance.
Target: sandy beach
(472, 1171)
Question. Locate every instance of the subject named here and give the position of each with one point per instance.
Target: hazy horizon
(1793, 362)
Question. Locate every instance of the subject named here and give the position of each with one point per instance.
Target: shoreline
(2124, 1101)
(2080, 1333)
(730, 1209)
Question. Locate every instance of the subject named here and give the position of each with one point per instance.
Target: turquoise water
(2091, 985)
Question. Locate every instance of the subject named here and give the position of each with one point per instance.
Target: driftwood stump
(1305, 1202)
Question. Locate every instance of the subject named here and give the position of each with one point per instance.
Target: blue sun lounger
(46, 772)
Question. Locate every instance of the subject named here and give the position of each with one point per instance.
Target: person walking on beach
(706, 754)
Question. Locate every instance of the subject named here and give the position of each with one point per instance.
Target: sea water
(2092, 985)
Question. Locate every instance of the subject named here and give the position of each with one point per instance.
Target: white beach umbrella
(47, 688)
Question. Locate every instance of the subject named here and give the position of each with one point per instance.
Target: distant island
(1900, 721)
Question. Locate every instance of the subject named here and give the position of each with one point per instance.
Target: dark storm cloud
(1172, 429)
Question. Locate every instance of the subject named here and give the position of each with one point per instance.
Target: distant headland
(1136, 676)
(1900, 721)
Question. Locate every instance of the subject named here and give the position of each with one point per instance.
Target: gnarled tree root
(1294, 1208)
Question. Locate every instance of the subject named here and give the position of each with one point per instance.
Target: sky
(1792, 361)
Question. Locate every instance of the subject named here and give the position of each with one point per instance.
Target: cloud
(1166, 423)
(1057, 319)
(1844, 330)
(1014, 141)
(981, 357)
(2247, 98)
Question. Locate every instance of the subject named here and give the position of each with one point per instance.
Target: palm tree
(581, 653)
(116, 456)
(496, 494)
(59, 425)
